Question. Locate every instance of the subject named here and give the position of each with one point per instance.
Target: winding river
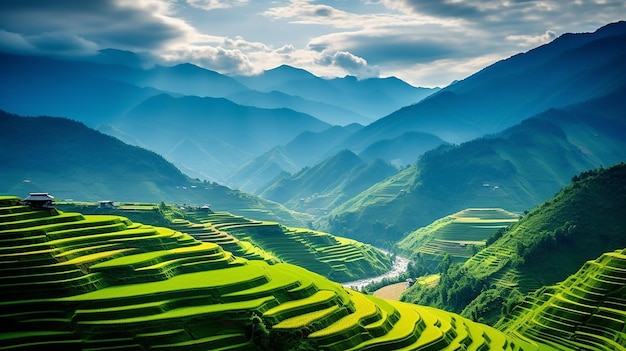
(400, 265)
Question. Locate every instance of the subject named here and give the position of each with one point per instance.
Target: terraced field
(586, 311)
(78, 282)
(337, 258)
(460, 235)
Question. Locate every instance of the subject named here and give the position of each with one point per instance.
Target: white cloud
(209, 5)
(354, 65)
(214, 58)
(533, 40)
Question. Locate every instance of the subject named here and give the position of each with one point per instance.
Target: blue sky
(424, 42)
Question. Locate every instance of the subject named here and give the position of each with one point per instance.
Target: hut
(106, 204)
(39, 201)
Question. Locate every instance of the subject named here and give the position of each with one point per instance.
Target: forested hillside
(516, 169)
(547, 245)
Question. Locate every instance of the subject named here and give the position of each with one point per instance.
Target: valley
(153, 206)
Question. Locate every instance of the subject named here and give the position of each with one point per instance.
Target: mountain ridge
(521, 167)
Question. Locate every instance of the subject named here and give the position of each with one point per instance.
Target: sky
(427, 43)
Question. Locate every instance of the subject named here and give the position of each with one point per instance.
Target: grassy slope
(547, 245)
(320, 188)
(586, 311)
(458, 234)
(77, 281)
(336, 258)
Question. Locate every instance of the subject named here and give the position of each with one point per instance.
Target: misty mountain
(189, 79)
(330, 114)
(305, 150)
(403, 150)
(89, 92)
(330, 182)
(515, 170)
(70, 160)
(210, 137)
(372, 97)
(571, 69)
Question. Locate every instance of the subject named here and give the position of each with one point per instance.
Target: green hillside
(460, 234)
(102, 282)
(516, 169)
(72, 161)
(336, 258)
(320, 188)
(548, 244)
(586, 311)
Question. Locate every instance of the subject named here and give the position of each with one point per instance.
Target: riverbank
(400, 265)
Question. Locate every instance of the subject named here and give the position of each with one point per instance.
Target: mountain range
(72, 161)
(110, 90)
(561, 103)
(515, 169)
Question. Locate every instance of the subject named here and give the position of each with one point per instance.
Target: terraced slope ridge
(460, 234)
(78, 282)
(339, 259)
(546, 246)
(585, 312)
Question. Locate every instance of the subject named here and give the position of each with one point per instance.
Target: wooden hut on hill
(39, 201)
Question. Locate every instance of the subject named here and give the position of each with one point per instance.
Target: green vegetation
(104, 282)
(320, 188)
(73, 161)
(586, 311)
(336, 258)
(548, 244)
(460, 235)
(516, 169)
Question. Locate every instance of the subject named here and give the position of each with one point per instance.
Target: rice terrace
(104, 282)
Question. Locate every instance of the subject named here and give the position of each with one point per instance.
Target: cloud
(90, 25)
(412, 39)
(354, 65)
(533, 40)
(214, 58)
(209, 5)
(391, 45)
(303, 12)
(441, 8)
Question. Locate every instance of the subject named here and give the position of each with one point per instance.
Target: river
(400, 265)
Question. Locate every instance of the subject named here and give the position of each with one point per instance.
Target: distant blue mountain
(571, 69)
(330, 114)
(372, 98)
(515, 169)
(305, 150)
(210, 137)
(320, 188)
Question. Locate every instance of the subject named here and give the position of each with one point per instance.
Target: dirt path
(391, 292)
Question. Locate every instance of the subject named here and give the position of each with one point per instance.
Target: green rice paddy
(460, 235)
(586, 311)
(82, 282)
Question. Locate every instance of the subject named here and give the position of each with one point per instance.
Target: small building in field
(206, 208)
(106, 204)
(39, 201)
